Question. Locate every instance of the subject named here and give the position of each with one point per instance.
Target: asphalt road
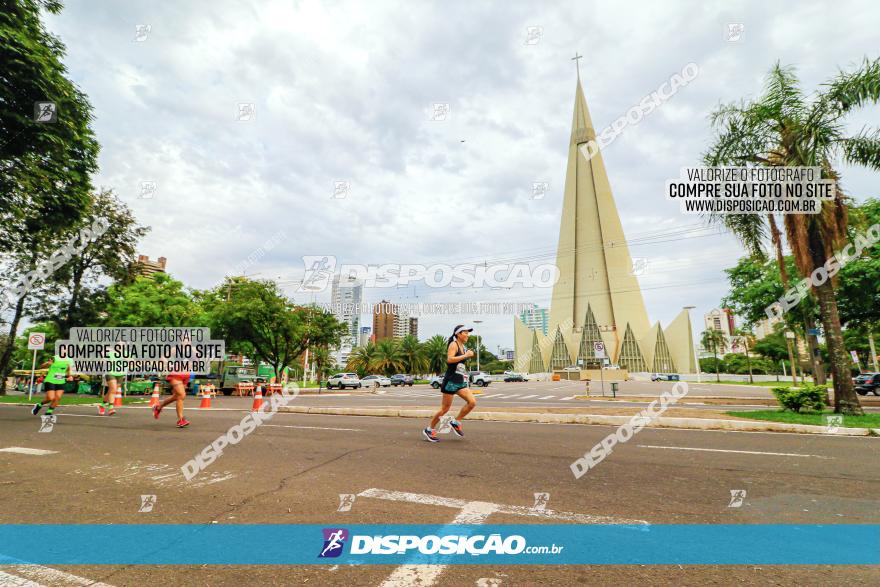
(294, 469)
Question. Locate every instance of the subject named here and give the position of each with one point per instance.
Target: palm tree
(713, 340)
(784, 128)
(748, 339)
(361, 359)
(414, 356)
(435, 353)
(388, 358)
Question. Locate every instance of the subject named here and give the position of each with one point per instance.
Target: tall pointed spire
(594, 263)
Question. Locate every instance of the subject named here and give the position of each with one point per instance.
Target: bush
(809, 397)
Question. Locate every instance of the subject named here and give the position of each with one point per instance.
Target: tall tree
(279, 330)
(47, 147)
(713, 341)
(414, 357)
(435, 351)
(110, 255)
(389, 358)
(784, 128)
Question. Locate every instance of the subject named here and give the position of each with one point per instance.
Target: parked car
(402, 380)
(665, 377)
(868, 383)
(343, 380)
(511, 376)
(480, 378)
(375, 381)
(572, 368)
(435, 381)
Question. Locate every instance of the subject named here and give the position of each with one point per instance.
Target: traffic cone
(117, 400)
(258, 399)
(206, 399)
(154, 399)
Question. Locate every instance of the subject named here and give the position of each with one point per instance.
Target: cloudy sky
(344, 92)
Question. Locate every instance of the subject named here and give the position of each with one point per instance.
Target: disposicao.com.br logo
(449, 544)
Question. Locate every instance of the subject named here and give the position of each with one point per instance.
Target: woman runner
(454, 383)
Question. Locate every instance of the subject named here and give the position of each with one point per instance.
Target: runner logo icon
(334, 542)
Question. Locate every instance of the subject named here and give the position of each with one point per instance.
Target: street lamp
(478, 345)
(696, 358)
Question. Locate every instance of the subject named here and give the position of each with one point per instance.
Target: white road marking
(528, 396)
(492, 395)
(312, 427)
(470, 512)
(565, 399)
(8, 580)
(55, 577)
(425, 499)
(28, 451)
(744, 452)
(548, 397)
(508, 396)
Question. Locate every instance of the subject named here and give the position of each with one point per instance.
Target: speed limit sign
(36, 341)
(599, 350)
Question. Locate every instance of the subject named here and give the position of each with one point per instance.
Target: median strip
(589, 419)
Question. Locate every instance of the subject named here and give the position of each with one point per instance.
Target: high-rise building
(391, 321)
(597, 298)
(383, 320)
(536, 318)
(345, 298)
(366, 336)
(722, 320)
(147, 268)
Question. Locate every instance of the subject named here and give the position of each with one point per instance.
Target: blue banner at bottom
(522, 544)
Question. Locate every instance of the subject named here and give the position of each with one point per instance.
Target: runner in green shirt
(60, 372)
(111, 378)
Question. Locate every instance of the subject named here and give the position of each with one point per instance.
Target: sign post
(36, 342)
(599, 353)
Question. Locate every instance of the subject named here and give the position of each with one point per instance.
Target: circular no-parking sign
(36, 341)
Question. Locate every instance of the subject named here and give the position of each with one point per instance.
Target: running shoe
(36, 409)
(156, 410)
(456, 427)
(182, 423)
(101, 410)
(111, 410)
(431, 435)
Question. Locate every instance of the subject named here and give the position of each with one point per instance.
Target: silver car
(343, 380)
(375, 381)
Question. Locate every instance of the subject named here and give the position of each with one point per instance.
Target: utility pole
(696, 358)
(478, 345)
(873, 350)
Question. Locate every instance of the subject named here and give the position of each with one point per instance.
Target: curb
(591, 419)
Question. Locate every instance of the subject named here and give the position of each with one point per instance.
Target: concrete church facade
(597, 297)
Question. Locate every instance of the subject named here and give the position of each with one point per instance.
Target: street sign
(855, 358)
(36, 341)
(812, 332)
(599, 350)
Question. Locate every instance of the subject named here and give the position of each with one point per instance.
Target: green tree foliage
(155, 301)
(278, 330)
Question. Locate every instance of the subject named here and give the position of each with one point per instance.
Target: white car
(343, 380)
(375, 381)
(435, 381)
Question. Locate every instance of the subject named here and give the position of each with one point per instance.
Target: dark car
(513, 377)
(402, 380)
(868, 383)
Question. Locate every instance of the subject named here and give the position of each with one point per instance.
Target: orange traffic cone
(258, 399)
(117, 401)
(154, 399)
(206, 399)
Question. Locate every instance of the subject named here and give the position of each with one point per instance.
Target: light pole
(478, 345)
(696, 358)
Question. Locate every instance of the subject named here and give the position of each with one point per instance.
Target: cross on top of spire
(577, 63)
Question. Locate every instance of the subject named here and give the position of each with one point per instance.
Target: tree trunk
(819, 377)
(845, 399)
(749, 363)
(7, 352)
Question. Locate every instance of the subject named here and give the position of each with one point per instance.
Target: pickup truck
(235, 374)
